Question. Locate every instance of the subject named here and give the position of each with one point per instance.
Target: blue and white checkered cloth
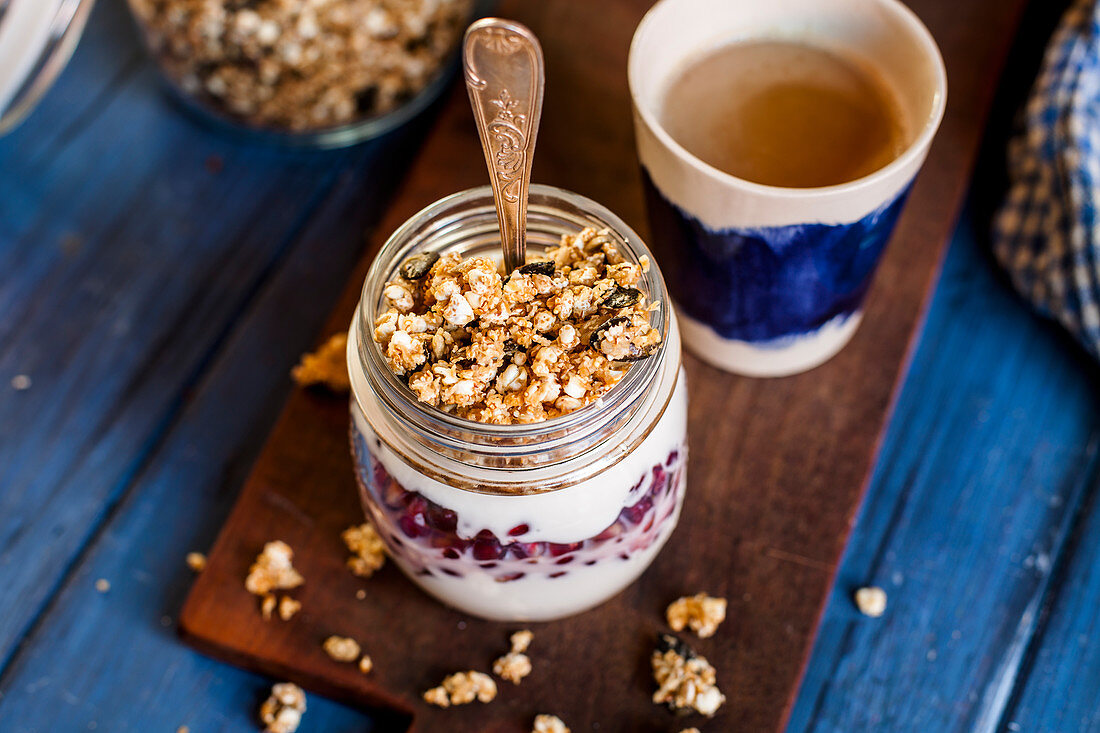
(1047, 234)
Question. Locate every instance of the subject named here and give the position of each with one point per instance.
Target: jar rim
(545, 199)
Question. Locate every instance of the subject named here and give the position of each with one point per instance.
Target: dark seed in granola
(511, 347)
(545, 267)
(668, 642)
(621, 297)
(637, 354)
(366, 99)
(418, 266)
(601, 330)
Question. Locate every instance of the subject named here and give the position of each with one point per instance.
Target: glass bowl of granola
(313, 73)
(519, 439)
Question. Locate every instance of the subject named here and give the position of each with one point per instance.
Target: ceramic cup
(770, 281)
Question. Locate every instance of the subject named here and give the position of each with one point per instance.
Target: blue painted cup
(770, 281)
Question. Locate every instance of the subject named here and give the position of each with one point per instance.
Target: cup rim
(913, 151)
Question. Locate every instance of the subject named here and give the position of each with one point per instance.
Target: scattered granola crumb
(513, 667)
(871, 601)
(549, 724)
(273, 570)
(461, 688)
(267, 606)
(20, 382)
(701, 613)
(342, 648)
(282, 712)
(366, 664)
(690, 730)
(369, 553)
(521, 640)
(326, 367)
(542, 341)
(684, 679)
(288, 607)
(437, 696)
(196, 561)
(183, 729)
(103, 585)
(360, 594)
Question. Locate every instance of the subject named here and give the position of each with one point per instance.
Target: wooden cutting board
(777, 467)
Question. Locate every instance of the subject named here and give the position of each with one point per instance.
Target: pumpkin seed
(637, 354)
(621, 297)
(418, 266)
(545, 267)
(670, 643)
(598, 335)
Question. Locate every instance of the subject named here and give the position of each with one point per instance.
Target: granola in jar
(522, 347)
(519, 438)
(302, 65)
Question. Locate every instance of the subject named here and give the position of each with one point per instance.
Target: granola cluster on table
(686, 681)
(543, 341)
(302, 64)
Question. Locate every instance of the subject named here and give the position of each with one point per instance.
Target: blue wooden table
(158, 280)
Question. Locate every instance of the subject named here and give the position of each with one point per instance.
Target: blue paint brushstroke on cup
(762, 284)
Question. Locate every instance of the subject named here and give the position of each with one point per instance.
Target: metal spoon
(505, 78)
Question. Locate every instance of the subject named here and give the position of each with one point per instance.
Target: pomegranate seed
(660, 478)
(636, 513)
(510, 577)
(486, 549)
(411, 528)
(564, 560)
(415, 503)
(558, 549)
(614, 530)
(518, 530)
(451, 553)
(441, 540)
(445, 520)
(557, 575)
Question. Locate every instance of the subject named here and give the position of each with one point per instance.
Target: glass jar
(37, 37)
(304, 74)
(519, 522)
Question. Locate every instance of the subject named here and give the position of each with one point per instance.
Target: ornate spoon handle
(505, 77)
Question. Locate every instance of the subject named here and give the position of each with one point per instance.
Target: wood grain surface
(778, 466)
